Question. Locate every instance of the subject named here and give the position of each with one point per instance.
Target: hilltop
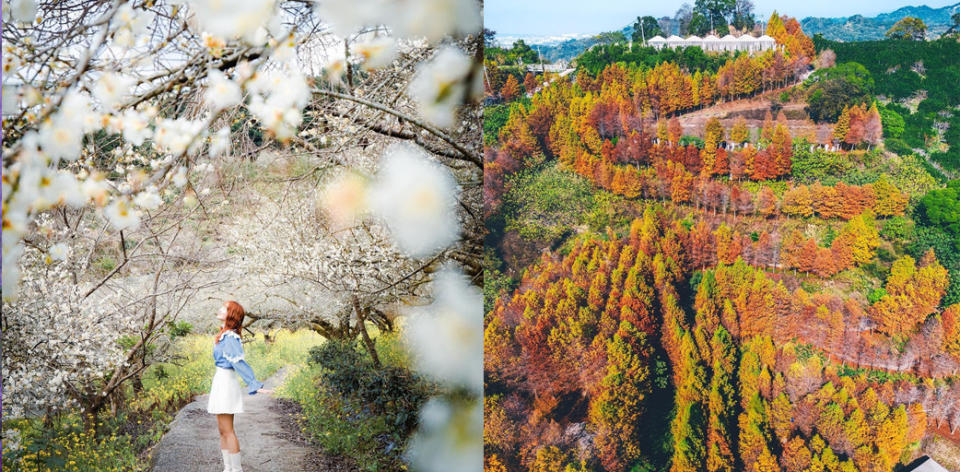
(860, 28)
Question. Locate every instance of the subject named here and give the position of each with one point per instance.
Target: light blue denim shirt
(228, 353)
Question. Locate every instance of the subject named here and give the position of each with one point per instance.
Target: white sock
(226, 460)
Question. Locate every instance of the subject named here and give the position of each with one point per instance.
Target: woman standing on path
(226, 397)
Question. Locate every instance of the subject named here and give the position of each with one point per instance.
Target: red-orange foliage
(510, 89)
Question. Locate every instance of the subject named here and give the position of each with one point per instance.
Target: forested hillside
(919, 83)
(861, 28)
(683, 273)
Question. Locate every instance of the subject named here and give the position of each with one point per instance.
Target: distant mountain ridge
(850, 28)
(861, 28)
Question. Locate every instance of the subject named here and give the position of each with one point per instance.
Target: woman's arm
(233, 352)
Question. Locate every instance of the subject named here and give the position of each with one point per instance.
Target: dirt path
(270, 439)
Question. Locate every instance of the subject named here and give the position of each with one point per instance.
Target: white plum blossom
(174, 136)
(446, 336)
(135, 126)
(334, 71)
(69, 189)
(76, 109)
(24, 11)
(148, 199)
(61, 138)
(220, 142)
(281, 121)
(347, 16)
(111, 89)
(11, 62)
(221, 91)
(31, 96)
(232, 19)
(417, 198)
(180, 178)
(378, 52)
(95, 188)
(277, 101)
(58, 252)
(344, 198)
(435, 19)
(122, 216)
(432, 20)
(450, 436)
(39, 192)
(131, 23)
(439, 86)
(11, 100)
(214, 44)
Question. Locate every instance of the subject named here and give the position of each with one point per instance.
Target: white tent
(728, 43)
(711, 43)
(693, 41)
(766, 42)
(657, 41)
(747, 43)
(674, 41)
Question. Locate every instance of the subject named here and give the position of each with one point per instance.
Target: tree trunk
(361, 324)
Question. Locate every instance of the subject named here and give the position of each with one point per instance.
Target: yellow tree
(912, 294)
(843, 125)
(782, 149)
(890, 200)
(798, 201)
(740, 133)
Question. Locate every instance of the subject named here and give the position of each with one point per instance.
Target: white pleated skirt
(226, 394)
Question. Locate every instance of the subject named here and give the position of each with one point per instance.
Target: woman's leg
(228, 438)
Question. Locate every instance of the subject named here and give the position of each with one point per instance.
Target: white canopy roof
(711, 38)
(766, 39)
(693, 38)
(674, 37)
(657, 39)
(747, 38)
(728, 37)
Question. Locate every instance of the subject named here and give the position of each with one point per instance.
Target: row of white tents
(711, 43)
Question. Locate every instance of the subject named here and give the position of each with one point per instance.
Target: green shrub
(876, 294)
(897, 146)
(356, 409)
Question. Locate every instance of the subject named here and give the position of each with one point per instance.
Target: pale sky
(554, 17)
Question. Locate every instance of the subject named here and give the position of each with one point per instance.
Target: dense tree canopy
(830, 90)
(909, 27)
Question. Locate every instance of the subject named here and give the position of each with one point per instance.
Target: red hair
(234, 319)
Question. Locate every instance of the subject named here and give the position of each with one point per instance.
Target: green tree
(832, 89)
(911, 28)
(893, 124)
(722, 403)
(716, 13)
(617, 410)
(743, 15)
(955, 27)
(645, 28)
(941, 207)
